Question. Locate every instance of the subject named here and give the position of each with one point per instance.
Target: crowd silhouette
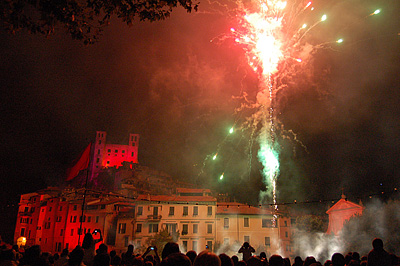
(171, 255)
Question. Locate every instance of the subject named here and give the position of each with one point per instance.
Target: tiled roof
(240, 208)
(163, 198)
(192, 190)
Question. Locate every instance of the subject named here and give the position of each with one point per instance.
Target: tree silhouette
(82, 19)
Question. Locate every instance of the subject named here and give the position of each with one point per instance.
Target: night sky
(168, 82)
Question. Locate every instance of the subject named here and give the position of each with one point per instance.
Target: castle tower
(112, 155)
(98, 153)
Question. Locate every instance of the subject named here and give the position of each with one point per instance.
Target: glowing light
(266, 35)
(281, 5)
(221, 177)
(377, 11)
(215, 156)
(231, 130)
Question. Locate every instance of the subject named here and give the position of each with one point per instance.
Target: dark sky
(167, 82)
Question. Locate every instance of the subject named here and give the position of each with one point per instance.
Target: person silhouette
(247, 251)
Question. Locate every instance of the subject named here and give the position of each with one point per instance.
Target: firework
(273, 36)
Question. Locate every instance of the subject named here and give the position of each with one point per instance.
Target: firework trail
(267, 38)
(275, 43)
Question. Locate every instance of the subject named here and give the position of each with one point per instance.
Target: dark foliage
(83, 20)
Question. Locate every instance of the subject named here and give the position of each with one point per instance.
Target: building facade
(340, 212)
(106, 155)
(195, 219)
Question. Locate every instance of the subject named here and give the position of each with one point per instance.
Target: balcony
(154, 217)
(24, 213)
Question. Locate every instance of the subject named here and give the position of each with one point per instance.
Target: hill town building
(138, 203)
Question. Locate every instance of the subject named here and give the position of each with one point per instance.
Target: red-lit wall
(342, 211)
(110, 155)
(47, 222)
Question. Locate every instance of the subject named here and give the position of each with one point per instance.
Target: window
(82, 220)
(153, 228)
(102, 207)
(89, 219)
(33, 209)
(58, 219)
(116, 151)
(109, 150)
(292, 221)
(72, 232)
(285, 222)
(210, 245)
(286, 234)
(62, 232)
(26, 209)
(155, 211)
(267, 241)
(75, 207)
(209, 210)
(126, 241)
(185, 210)
(47, 225)
(266, 223)
(185, 229)
(194, 245)
(58, 246)
(171, 228)
(123, 151)
(138, 228)
(195, 210)
(60, 209)
(97, 219)
(226, 241)
(74, 221)
(98, 152)
(195, 228)
(22, 231)
(246, 222)
(50, 208)
(209, 228)
(140, 210)
(171, 211)
(246, 238)
(122, 228)
(97, 160)
(184, 244)
(226, 222)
